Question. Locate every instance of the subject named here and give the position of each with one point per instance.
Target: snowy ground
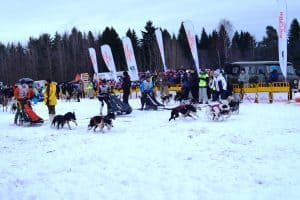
(253, 155)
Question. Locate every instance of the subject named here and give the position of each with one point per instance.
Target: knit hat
(217, 72)
(22, 81)
(273, 67)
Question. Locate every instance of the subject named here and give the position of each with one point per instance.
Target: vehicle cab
(258, 68)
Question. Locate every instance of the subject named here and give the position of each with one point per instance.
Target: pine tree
(235, 47)
(268, 47)
(44, 67)
(148, 44)
(186, 56)
(204, 41)
(223, 45)
(213, 53)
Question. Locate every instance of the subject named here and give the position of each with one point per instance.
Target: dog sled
(118, 106)
(26, 116)
(114, 104)
(151, 102)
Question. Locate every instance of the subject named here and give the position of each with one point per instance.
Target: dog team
(216, 111)
(97, 121)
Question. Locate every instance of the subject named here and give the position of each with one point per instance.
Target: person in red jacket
(21, 93)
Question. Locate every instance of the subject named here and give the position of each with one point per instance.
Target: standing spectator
(7, 93)
(203, 85)
(57, 91)
(298, 83)
(222, 86)
(77, 90)
(50, 98)
(96, 84)
(210, 82)
(64, 91)
(194, 81)
(185, 85)
(90, 90)
(261, 77)
(82, 93)
(162, 82)
(213, 86)
(274, 76)
(126, 84)
(243, 79)
(70, 91)
(219, 86)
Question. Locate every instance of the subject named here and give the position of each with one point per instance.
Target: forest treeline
(61, 56)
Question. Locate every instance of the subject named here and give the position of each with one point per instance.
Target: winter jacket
(243, 77)
(104, 88)
(21, 92)
(219, 83)
(50, 94)
(274, 76)
(185, 81)
(194, 80)
(261, 77)
(146, 86)
(89, 86)
(203, 80)
(162, 80)
(126, 84)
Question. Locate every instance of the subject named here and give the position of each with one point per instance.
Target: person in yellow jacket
(50, 98)
(203, 85)
(90, 90)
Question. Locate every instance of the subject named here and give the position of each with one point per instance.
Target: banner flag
(190, 34)
(93, 57)
(159, 40)
(282, 36)
(109, 61)
(130, 59)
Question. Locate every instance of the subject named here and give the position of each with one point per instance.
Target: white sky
(21, 19)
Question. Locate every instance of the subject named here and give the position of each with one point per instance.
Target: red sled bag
(31, 115)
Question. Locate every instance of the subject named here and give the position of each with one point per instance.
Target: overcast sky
(20, 19)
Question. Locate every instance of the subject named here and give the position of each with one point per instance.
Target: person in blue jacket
(146, 87)
(274, 76)
(186, 85)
